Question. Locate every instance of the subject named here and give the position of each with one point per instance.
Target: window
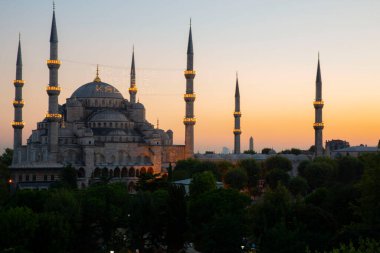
(34, 177)
(52, 177)
(20, 178)
(45, 177)
(27, 178)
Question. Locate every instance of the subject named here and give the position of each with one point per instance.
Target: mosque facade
(97, 131)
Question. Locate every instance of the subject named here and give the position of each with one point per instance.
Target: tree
(318, 174)
(298, 186)
(68, 178)
(251, 152)
(176, 218)
(270, 211)
(369, 207)
(6, 157)
(201, 183)
(218, 221)
(277, 176)
(265, 151)
(365, 246)
(349, 169)
(53, 234)
(252, 169)
(236, 178)
(17, 228)
(277, 162)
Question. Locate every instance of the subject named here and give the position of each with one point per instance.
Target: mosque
(97, 131)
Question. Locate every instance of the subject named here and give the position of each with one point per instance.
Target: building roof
(97, 90)
(358, 149)
(109, 115)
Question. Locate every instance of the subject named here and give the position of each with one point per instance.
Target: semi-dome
(97, 89)
(109, 115)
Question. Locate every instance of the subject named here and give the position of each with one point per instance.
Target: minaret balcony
(189, 73)
(318, 104)
(318, 125)
(189, 97)
(189, 121)
(237, 114)
(53, 116)
(53, 90)
(18, 103)
(18, 83)
(53, 63)
(237, 131)
(132, 89)
(18, 124)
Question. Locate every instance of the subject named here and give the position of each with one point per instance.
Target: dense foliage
(331, 206)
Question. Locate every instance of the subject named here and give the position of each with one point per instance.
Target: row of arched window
(116, 173)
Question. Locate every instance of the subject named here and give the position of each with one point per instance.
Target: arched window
(131, 172)
(105, 172)
(116, 173)
(81, 173)
(142, 171)
(97, 172)
(124, 172)
(150, 170)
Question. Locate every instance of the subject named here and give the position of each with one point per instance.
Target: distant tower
(189, 97)
(251, 144)
(318, 105)
(53, 90)
(237, 115)
(18, 104)
(132, 88)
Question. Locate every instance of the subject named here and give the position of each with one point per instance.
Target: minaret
(237, 115)
(53, 90)
(18, 104)
(318, 105)
(189, 97)
(132, 88)
(251, 143)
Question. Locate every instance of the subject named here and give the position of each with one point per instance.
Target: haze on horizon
(272, 44)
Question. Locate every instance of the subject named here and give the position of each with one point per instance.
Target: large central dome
(97, 89)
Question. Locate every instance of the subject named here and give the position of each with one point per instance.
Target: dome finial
(97, 78)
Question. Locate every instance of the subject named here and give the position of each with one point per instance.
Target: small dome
(138, 105)
(97, 89)
(109, 115)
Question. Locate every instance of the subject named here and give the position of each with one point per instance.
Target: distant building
(335, 145)
(225, 150)
(355, 151)
(251, 144)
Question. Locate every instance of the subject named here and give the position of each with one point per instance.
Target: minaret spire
(237, 115)
(53, 90)
(132, 87)
(18, 104)
(97, 78)
(318, 105)
(189, 97)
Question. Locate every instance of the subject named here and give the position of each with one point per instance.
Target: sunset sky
(273, 45)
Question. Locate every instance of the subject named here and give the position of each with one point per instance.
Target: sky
(273, 44)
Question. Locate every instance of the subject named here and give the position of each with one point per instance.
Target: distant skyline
(272, 44)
